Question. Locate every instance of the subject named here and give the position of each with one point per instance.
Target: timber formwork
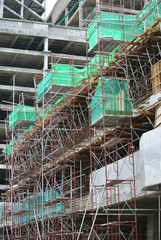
(53, 190)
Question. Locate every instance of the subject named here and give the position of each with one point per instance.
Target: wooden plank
(158, 116)
(149, 28)
(156, 77)
(158, 19)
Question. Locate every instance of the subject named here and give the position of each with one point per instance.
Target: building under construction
(81, 103)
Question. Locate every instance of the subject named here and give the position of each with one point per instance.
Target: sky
(49, 6)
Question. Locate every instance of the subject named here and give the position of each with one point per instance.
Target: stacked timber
(156, 77)
(158, 116)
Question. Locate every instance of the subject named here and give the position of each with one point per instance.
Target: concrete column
(22, 9)
(1, 8)
(159, 215)
(80, 14)
(45, 10)
(46, 52)
(152, 229)
(67, 18)
(98, 5)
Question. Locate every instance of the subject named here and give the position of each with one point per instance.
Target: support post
(46, 48)
(22, 9)
(150, 227)
(1, 8)
(98, 5)
(159, 218)
(67, 18)
(81, 203)
(45, 10)
(80, 14)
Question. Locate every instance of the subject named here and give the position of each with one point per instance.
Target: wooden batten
(158, 116)
(156, 77)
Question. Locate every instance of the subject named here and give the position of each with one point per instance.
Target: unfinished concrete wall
(147, 169)
(150, 156)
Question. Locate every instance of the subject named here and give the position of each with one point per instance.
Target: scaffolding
(72, 154)
(111, 110)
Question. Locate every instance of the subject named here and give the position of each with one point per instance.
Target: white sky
(49, 6)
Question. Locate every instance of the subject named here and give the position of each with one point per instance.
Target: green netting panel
(21, 113)
(100, 61)
(115, 99)
(29, 208)
(148, 15)
(69, 76)
(1, 212)
(7, 150)
(19, 137)
(61, 75)
(110, 25)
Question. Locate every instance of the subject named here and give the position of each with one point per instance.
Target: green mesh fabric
(115, 99)
(110, 25)
(21, 113)
(8, 150)
(61, 75)
(100, 61)
(69, 76)
(28, 206)
(1, 212)
(148, 15)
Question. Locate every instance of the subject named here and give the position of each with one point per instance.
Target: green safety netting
(100, 61)
(115, 100)
(148, 15)
(8, 150)
(110, 26)
(61, 75)
(1, 212)
(69, 76)
(43, 205)
(21, 113)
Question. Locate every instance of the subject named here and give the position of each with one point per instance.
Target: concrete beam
(42, 30)
(2, 146)
(75, 57)
(2, 125)
(6, 107)
(74, 15)
(67, 34)
(20, 70)
(37, 53)
(6, 88)
(19, 27)
(14, 41)
(2, 187)
(58, 9)
(13, 12)
(3, 166)
(19, 51)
